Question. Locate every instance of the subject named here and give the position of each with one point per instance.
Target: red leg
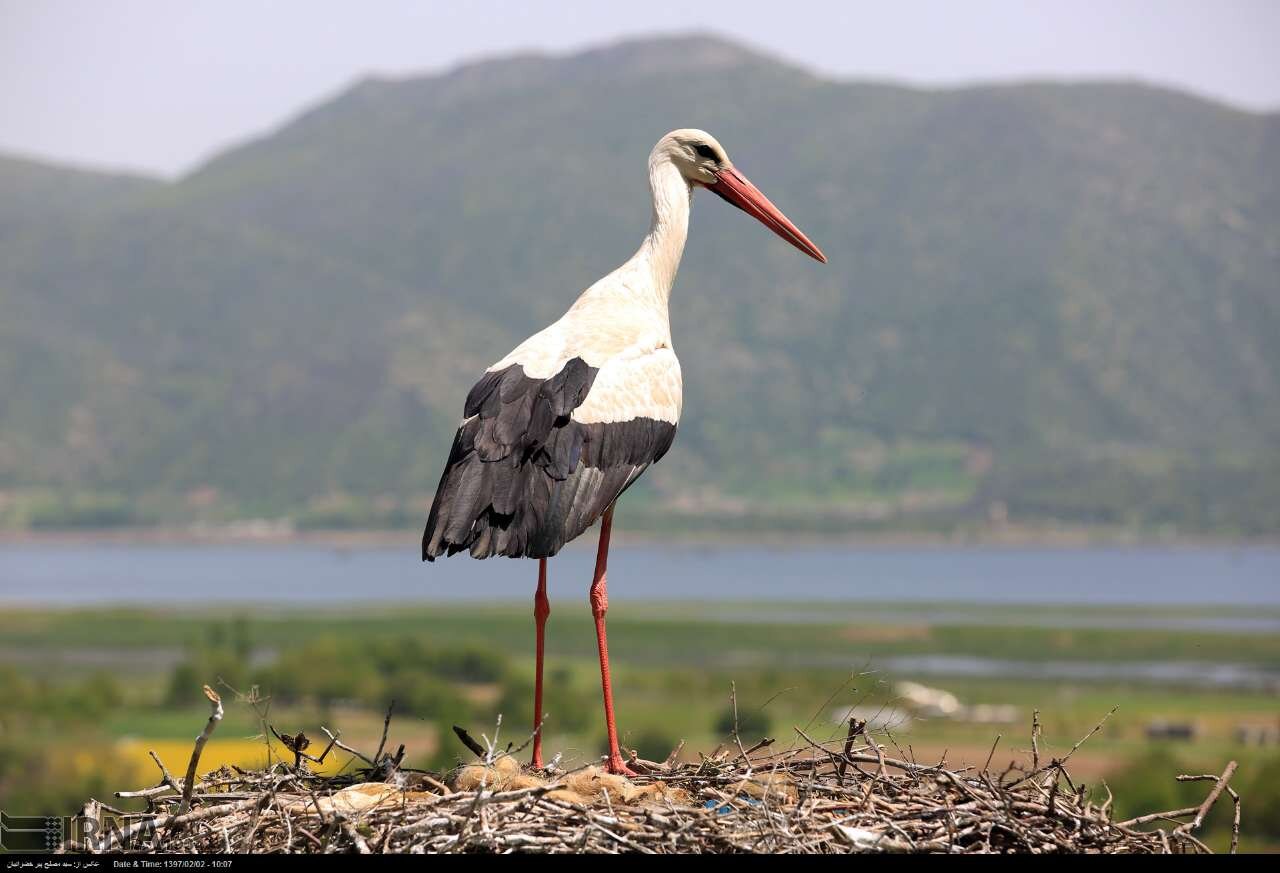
(541, 609)
(599, 606)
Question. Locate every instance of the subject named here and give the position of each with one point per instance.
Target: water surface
(926, 578)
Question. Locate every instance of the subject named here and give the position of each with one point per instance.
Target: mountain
(1044, 302)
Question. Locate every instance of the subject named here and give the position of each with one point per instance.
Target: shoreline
(1007, 537)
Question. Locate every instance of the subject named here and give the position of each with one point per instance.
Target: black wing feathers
(523, 477)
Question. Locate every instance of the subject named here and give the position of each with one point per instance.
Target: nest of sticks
(849, 795)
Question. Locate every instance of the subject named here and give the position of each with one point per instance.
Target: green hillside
(1062, 302)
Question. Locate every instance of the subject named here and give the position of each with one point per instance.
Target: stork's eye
(705, 151)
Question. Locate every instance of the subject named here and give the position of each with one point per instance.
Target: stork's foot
(617, 768)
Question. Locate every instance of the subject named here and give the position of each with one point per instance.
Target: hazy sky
(158, 85)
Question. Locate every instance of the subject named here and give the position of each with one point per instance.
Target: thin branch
(334, 740)
(215, 716)
(165, 776)
(1209, 801)
(992, 753)
(476, 749)
(1035, 740)
(386, 725)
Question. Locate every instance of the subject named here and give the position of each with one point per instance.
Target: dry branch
(215, 716)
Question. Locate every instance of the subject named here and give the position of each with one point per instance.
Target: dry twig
(215, 716)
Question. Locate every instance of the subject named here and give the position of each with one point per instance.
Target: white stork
(556, 430)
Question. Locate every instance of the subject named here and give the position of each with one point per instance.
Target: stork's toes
(618, 768)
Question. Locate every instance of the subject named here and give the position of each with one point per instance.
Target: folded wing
(537, 461)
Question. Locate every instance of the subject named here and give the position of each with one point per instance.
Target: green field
(87, 693)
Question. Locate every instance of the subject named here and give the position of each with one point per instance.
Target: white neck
(661, 250)
(649, 274)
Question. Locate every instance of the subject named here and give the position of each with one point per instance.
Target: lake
(317, 575)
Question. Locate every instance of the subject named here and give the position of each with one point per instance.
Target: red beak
(736, 189)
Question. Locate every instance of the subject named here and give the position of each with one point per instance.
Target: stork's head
(703, 162)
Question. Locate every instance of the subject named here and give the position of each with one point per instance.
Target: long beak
(736, 189)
